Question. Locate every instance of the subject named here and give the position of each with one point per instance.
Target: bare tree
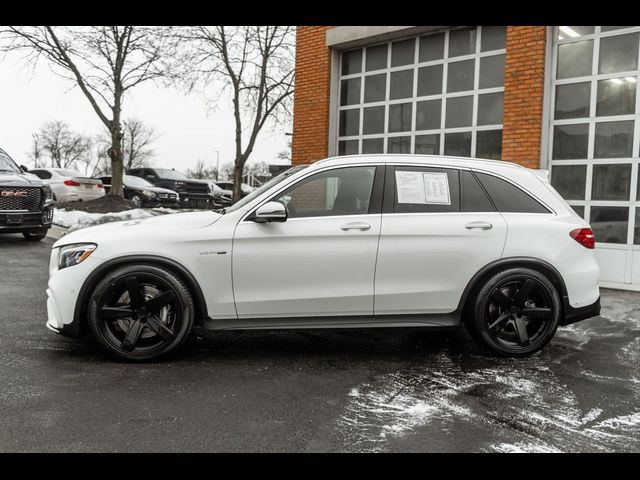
(136, 143)
(201, 171)
(285, 154)
(64, 148)
(105, 62)
(256, 63)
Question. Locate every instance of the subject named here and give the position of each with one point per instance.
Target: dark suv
(193, 193)
(26, 204)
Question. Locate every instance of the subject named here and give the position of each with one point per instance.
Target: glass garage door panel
(594, 139)
(435, 93)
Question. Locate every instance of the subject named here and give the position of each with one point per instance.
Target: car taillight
(100, 185)
(584, 236)
(71, 183)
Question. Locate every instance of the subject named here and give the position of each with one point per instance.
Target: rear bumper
(573, 314)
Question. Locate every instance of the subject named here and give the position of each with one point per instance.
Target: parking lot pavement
(376, 390)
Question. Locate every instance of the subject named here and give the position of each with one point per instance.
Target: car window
(474, 198)
(426, 189)
(43, 174)
(7, 164)
(133, 181)
(341, 191)
(509, 198)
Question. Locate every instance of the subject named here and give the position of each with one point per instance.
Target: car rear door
(438, 229)
(321, 260)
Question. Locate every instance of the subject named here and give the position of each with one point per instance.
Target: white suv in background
(354, 241)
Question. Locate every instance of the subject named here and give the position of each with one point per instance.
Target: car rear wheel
(140, 313)
(516, 313)
(35, 236)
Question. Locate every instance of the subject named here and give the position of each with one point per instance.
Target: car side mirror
(23, 168)
(270, 212)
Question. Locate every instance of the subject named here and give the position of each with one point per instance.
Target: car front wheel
(516, 313)
(35, 236)
(140, 312)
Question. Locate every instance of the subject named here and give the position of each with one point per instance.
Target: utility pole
(217, 164)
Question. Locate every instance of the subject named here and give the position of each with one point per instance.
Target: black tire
(516, 313)
(35, 236)
(141, 327)
(137, 200)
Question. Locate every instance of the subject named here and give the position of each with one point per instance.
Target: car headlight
(48, 194)
(148, 193)
(74, 254)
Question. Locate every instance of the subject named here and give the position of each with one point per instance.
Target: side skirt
(437, 320)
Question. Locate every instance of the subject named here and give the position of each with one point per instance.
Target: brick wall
(523, 95)
(311, 97)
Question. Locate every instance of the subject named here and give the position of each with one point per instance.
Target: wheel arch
(496, 266)
(80, 326)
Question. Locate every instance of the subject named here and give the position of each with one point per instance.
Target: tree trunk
(237, 179)
(117, 161)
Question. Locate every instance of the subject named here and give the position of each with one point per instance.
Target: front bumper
(573, 314)
(30, 221)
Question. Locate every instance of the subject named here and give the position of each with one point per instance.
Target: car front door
(438, 229)
(321, 260)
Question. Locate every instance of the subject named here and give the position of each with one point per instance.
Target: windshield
(171, 174)
(131, 181)
(6, 164)
(259, 191)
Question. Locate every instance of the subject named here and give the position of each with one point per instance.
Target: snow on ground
(76, 219)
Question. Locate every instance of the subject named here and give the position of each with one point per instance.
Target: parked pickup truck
(26, 204)
(193, 193)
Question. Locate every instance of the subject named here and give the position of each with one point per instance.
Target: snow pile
(76, 219)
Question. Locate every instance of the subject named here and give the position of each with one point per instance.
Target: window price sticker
(423, 188)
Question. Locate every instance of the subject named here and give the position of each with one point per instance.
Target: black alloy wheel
(140, 312)
(516, 313)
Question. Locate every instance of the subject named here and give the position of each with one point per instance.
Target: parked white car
(363, 241)
(69, 185)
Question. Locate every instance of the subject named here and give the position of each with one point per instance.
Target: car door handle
(355, 226)
(478, 225)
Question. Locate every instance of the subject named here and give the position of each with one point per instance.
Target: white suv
(357, 241)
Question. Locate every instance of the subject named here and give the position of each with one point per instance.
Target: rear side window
(509, 198)
(43, 174)
(426, 190)
(474, 198)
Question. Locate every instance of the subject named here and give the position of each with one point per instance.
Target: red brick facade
(311, 98)
(523, 95)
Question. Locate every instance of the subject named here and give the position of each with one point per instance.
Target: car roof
(418, 159)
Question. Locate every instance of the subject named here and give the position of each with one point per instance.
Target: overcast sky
(187, 130)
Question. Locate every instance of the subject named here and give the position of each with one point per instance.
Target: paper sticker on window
(436, 187)
(423, 188)
(410, 186)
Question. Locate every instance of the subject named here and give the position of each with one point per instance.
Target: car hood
(155, 189)
(8, 179)
(140, 229)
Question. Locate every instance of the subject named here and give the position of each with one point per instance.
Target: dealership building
(559, 98)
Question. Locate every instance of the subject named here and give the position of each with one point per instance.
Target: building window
(439, 94)
(595, 127)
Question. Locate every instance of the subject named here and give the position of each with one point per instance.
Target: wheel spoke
(132, 336)
(501, 322)
(135, 293)
(156, 303)
(521, 329)
(115, 313)
(523, 293)
(159, 328)
(500, 298)
(537, 312)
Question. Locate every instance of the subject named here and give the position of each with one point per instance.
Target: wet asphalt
(380, 390)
